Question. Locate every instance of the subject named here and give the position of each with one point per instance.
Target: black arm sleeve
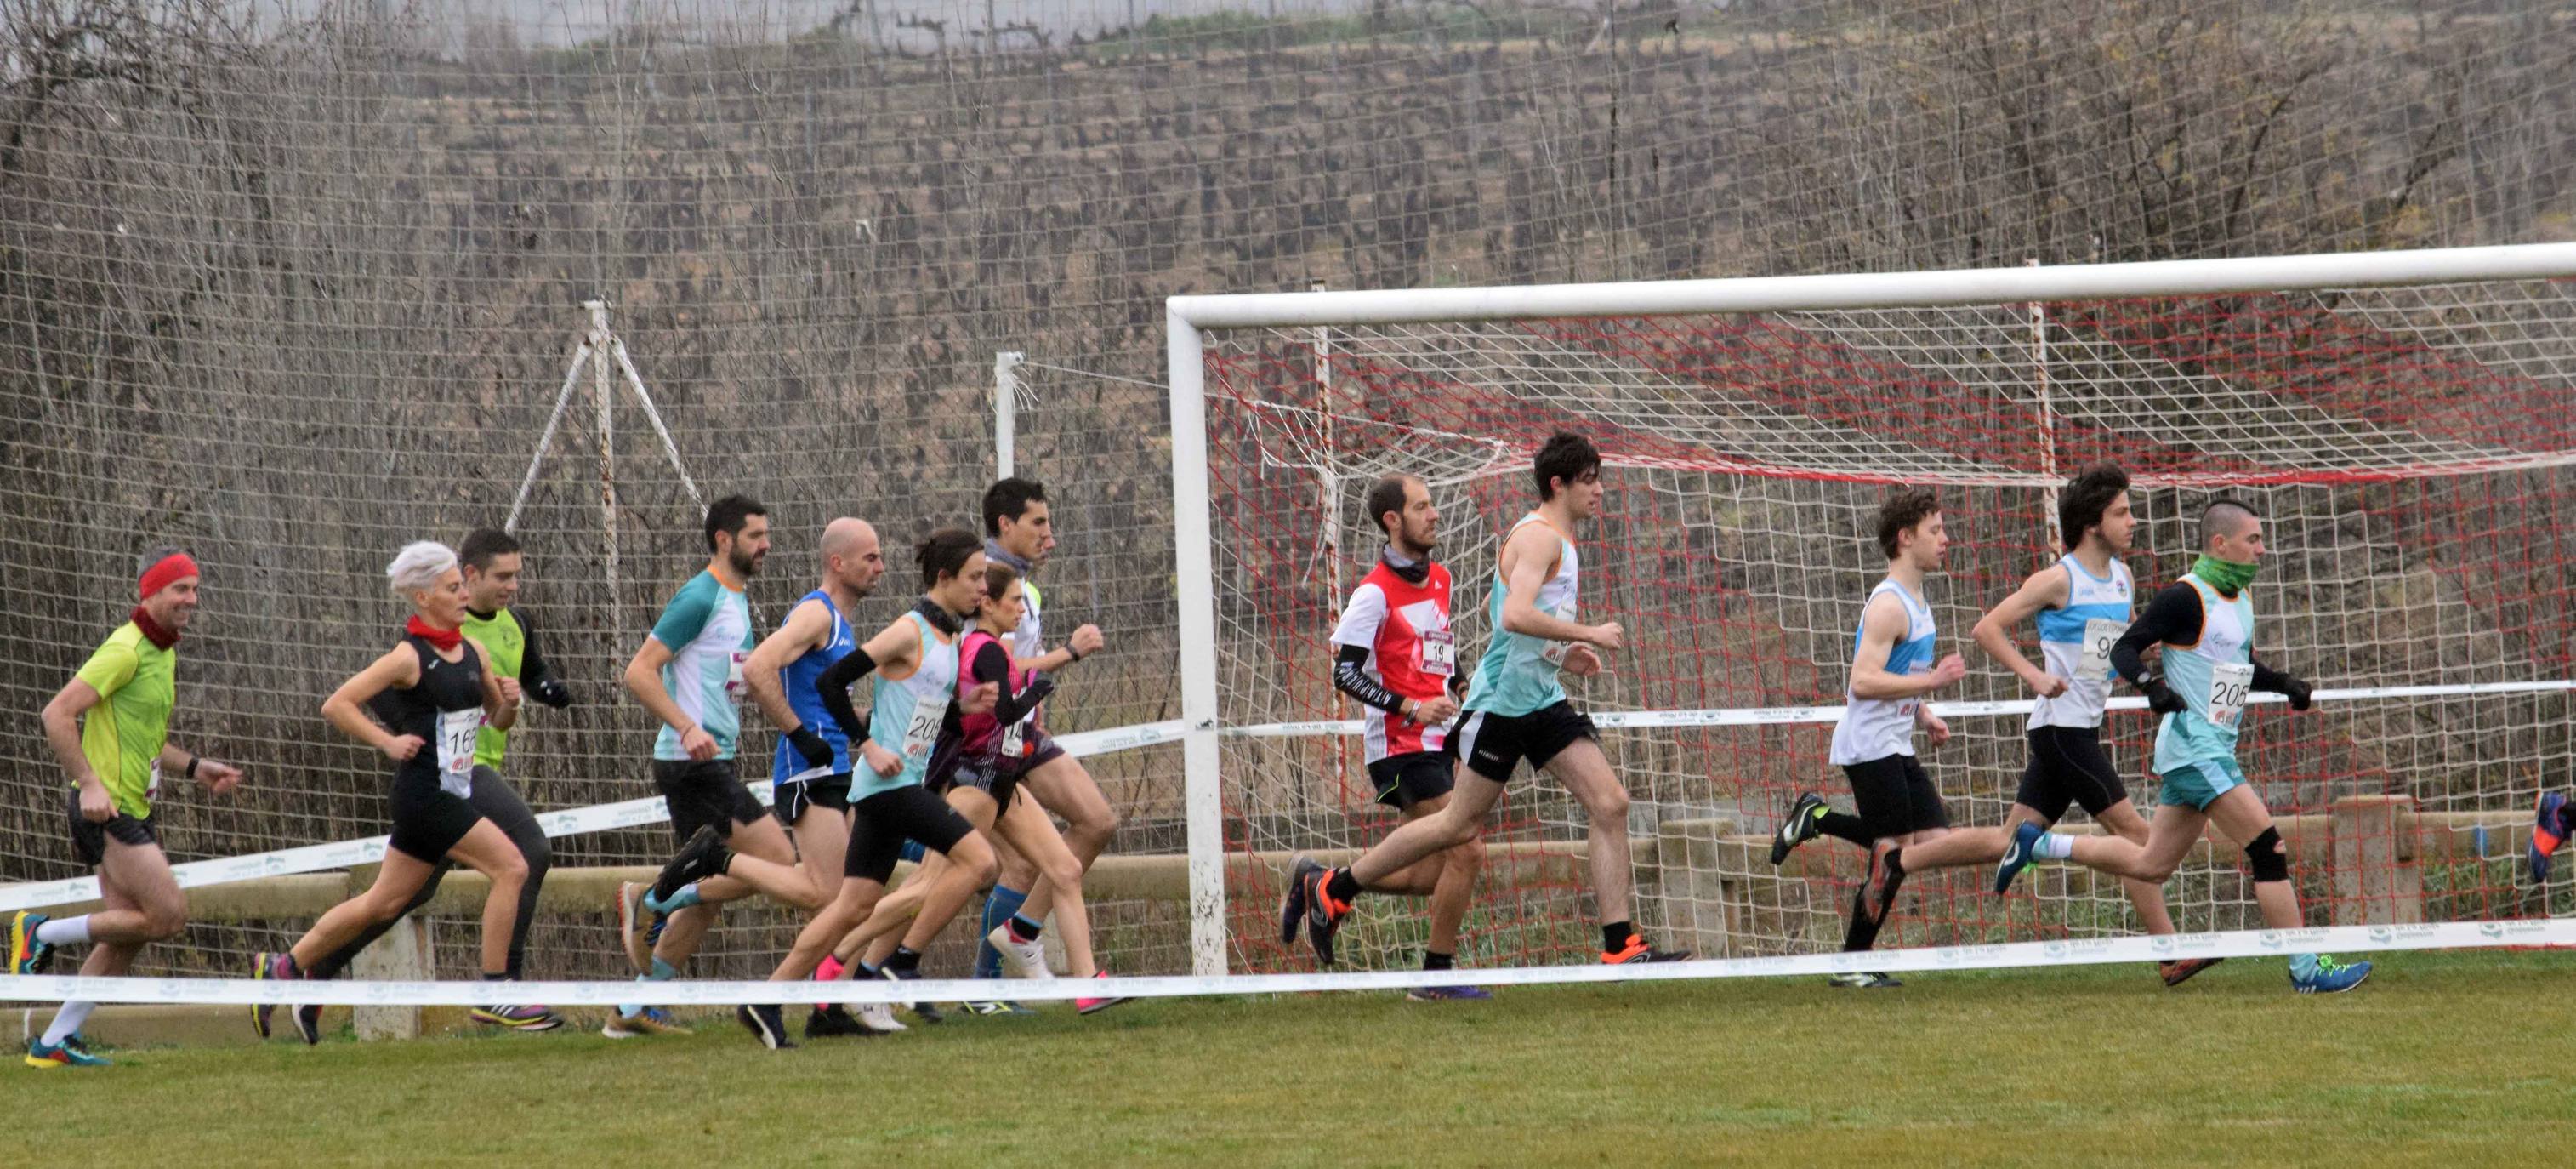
(2267, 678)
(2174, 615)
(834, 688)
(1350, 676)
(993, 664)
(539, 682)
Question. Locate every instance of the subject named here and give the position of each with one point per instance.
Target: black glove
(817, 753)
(551, 692)
(2161, 698)
(1036, 691)
(2300, 694)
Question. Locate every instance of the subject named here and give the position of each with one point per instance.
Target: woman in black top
(431, 692)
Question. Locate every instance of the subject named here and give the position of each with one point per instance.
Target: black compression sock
(1614, 936)
(1434, 960)
(1340, 885)
(488, 976)
(1860, 933)
(1844, 826)
(1895, 869)
(904, 961)
(867, 971)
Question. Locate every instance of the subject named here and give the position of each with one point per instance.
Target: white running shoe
(879, 1017)
(1023, 959)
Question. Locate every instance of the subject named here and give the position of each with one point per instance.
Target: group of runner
(937, 765)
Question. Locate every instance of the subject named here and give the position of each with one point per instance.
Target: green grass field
(2440, 1059)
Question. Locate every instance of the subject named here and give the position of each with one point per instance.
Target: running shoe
(631, 917)
(70, 1053)
(2549, 824)
(26, 954)
(263, 968)
(1637, 951)
(926, 1012)
(1095, 1005)
(828, 970)
(879, 1018)
(2330, 977)
(997, 1007)
(704, 856)
(1442, 994)
(647, 1021)
(1859, 981)
(521, 1017)
(308, 1023)
(1292, 904)
(1323, 914)
(833, 1022)
(2018, 854)
(2179, 971)
(765, 1025)
(1023, 959)
(1804, 822)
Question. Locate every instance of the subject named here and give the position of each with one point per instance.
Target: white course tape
(2242, 944)
(639, 813)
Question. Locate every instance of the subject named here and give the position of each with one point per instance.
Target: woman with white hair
(429, 694)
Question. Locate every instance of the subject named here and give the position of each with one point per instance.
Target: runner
(810, 776)
(689, 673)
(493, 563)
(109, 728)
(2205, 622)
(915, 705)
(1515, 710)
(1019, 532)
(431, 693)
(1891, 671)
(1396, 656)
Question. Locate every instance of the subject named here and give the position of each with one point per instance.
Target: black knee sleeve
(2269, 861)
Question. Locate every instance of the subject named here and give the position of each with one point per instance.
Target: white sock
(64, 931)
(2054, 846)
(66, 1021)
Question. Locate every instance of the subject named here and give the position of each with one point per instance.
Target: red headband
(175, 567)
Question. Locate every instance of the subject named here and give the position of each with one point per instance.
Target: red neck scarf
(443, 639)
(153, 631)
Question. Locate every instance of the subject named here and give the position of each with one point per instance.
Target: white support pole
(2047, 419)
(1195, 574)
(605, 388)
(1006, 412)
(1328, 488)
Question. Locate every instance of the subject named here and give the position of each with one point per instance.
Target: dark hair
(729, 514)
(2222, 510)
(945, 553)
(155, 555)
(2087, 496)
(1566, 455)
(481, 545)
(1009, 499)
(1385, 495)
(1898, 513)
(998, 578)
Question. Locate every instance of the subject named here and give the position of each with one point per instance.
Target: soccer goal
(2404, 420)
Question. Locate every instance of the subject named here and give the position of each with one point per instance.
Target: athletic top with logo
(444, 708)
(513, 647)
(1517, 675)
(909, 712)
(1412, 652)
(707, 628)
(1875, 728)
(996, 740)
(2075, 641)
(2213, 674)
(804, 698)
(122, 736)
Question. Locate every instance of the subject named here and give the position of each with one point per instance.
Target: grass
(2439, 1059)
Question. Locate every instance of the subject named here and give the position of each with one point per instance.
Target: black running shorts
(2067, 766)
(89, 841)
(1408, 779)
(1494, 744)
(703, 792)
(1894, 796)
(881, 823)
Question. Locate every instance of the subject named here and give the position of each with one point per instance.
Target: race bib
(2093, 660)
(456, 749)
(152, 787)
(1439, 653)
(1013, 740)
(2228, 685)
(1555, 651)
(733, 674)
(921, 731)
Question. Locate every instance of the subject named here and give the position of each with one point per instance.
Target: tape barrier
(2359, 939)
(640, 813)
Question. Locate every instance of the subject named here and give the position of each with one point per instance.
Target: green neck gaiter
(2227, 576)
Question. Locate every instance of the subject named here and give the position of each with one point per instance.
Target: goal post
(2411, 410)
